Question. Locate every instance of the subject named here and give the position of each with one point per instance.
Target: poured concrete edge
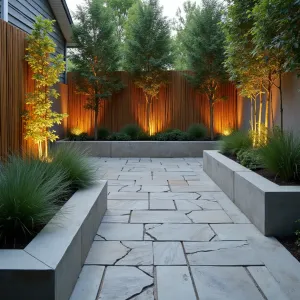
(49, 266)
(273, 209)
(159, 149)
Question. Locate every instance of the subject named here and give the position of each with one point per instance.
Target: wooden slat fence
(178, 106)
(15, 82)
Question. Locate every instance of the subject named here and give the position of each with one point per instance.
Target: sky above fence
(170, 6)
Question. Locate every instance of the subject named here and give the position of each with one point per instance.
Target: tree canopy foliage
(148, 48)
(46, 67)
(204, 43)
(97, 54)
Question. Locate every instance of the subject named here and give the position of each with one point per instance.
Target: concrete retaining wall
(273, 209)
(48, 268)
(144, 148)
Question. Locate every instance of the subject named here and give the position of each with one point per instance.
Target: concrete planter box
(144, 148)
(273, 209)
(49, 266)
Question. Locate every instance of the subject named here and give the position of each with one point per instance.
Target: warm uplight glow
(76, 131)
(227, 131)
(152, 129)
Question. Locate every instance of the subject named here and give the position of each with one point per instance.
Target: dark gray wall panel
(22, 13)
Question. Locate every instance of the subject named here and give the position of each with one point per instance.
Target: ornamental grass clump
(281, 156)
(233, 143)
(31, 191)
(75, 162)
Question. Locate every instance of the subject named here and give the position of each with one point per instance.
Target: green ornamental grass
(235, 142)
(281, 156)
(30, 193)
(75, 162)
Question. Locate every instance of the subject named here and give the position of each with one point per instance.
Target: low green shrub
(250, 158)
(143, 136)
(30, 192)
(234, 142)
(168, 130)
(119, 136)
(174, 135)
(197, 131)
(103, 133)
(75, 162)
(281, 155)
(80, 137)
(133, 130)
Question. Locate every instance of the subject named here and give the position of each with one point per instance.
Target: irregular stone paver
(209, 216)
(120, 253)
(114, 188)
(118, 216)
(235, 232)
(127, 204)
(154, 189)
(174, 283)
(141, 254)
(221, 254)
(168, 253)
(267, 283)
(147, 269)
(147, 294)
(106, 253)
(121, 182)
(131, 188)
(121, 283)
(174, 196)
(123, 232)
(154, 244)
(180, 232)
(201, 187)
(178, 182)
(141, 216)
(226, 283)
(88, 283)
(189, 205)
(151, 182)
(166, 204)
(127, 196)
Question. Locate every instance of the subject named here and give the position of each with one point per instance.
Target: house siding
(22, 13)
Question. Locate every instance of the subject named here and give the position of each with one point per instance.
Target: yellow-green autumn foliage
(46, 67)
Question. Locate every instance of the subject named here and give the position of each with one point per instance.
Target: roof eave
(63, 17)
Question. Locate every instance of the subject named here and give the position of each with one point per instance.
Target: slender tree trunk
(260, 114)
(46, 148)
(148, 108)
(268, 104)
(272, 112)
(281, 102)
(211, 125)
(255, 121)
(40, 150)
(251, 114)
(96, 124)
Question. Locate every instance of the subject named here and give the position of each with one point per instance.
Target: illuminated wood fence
(15, 82)
(178, 106)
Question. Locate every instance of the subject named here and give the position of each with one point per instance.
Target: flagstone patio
(171, 234)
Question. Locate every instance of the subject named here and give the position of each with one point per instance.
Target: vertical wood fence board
(178, 106)
(15, 82)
